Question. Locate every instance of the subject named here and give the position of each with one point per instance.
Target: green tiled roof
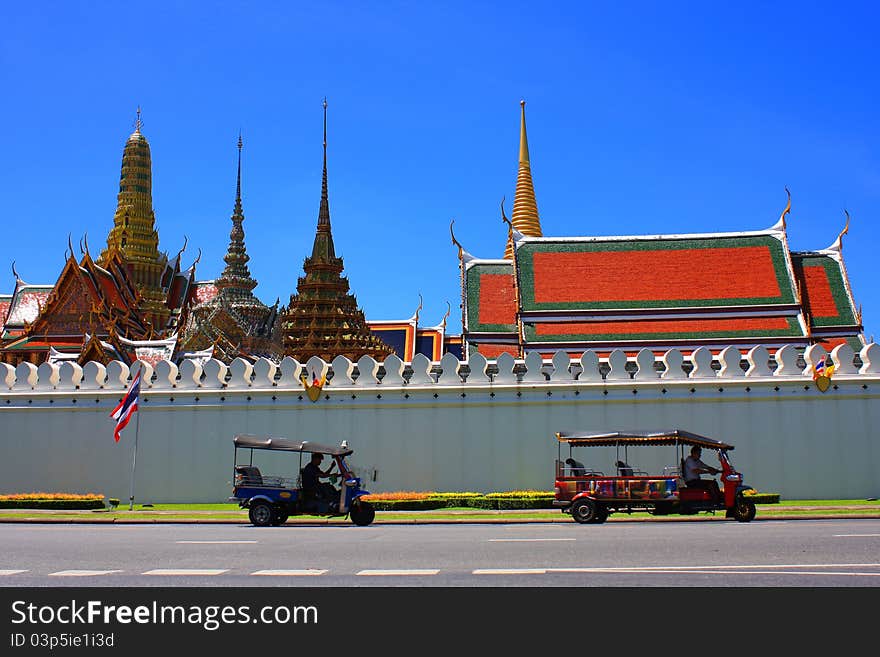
(813, 298)
(715, 276)
(474, 302)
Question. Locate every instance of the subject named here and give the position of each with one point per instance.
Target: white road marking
(709, 572)
(510, 571)
(373, 573)
(3, 573)
(213, 542)
(290, 573)
(528, 540)
(82, 573)
(856, 535)
(185, 571)
(718, 567)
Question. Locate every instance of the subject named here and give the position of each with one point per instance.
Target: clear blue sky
(643, 118)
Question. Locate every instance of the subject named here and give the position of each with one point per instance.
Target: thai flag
(819, 369)
(126, 408)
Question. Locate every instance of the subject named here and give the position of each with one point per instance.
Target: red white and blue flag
(127, 407)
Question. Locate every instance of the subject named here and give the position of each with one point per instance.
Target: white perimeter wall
(443, 435)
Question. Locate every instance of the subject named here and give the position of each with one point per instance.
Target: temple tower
(323, 318)
(525, 209)
(235, 283)
(134, 234)
(235, 322)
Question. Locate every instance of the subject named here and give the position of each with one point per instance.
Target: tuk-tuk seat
(626, 470)
(250, 475)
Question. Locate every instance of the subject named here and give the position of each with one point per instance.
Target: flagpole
(137, 426)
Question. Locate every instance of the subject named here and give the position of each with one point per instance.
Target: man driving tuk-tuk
(312, 486)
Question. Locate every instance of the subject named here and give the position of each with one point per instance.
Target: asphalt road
(799, 553)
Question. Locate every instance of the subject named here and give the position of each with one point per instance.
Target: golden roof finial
(523, 140)
(138, 123)
(845, 228)
(525, 208)
(455, 242)
(787, 209)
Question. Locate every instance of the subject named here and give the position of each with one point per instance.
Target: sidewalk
(458, 516)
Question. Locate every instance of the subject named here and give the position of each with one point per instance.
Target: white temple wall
(478, 435)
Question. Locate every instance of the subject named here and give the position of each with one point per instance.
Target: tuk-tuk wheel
(362, 513)
(261, 514)
(585, 511)
(744, 511)
(280, 518)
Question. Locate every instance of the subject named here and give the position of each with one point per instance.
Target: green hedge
(763, 498)
(52, 504)
(515, 500)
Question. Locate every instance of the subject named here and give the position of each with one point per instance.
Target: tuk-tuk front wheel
(261, 514)
(362, 513)
(585, 512)
(280, 518)
(744, 511)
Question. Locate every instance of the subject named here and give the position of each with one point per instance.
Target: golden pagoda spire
(134, 233)
(525, 209)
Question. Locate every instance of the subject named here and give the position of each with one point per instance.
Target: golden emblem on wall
(312, 382)
(822, 372)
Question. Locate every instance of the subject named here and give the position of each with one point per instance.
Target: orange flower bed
(51, 496)
(400, 495)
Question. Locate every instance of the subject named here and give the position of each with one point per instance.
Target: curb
(415, 521)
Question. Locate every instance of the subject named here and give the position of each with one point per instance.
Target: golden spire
(525, 208)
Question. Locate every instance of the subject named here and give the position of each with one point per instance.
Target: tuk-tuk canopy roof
(644, 438)
(248, 441)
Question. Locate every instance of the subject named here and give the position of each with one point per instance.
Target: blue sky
(643, 118)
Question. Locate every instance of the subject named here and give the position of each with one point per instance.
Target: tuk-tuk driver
(577, 468)
(312, 475)
(694, 467)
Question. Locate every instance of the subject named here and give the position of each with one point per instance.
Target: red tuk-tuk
(590, 495)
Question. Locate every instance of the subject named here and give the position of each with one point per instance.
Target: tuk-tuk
(590, 495)
(272, 499)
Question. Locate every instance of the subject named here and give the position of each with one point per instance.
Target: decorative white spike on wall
(48, 375)
(731, 360)
(759, 362)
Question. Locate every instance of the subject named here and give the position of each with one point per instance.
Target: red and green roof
(685, 328)
(669, 272)
(490, 297)
(5, 303)
(823, 290)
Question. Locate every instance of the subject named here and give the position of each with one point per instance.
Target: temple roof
(712, 270)
(25, 304)
(5, 303)
(490, 299)
(205, 291)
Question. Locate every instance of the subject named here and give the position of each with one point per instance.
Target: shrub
(421, 501)
(407, 505)
(51, 496)
(53, 504)
(761, 498)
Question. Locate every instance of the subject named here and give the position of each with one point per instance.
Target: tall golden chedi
(323, 318)
(134, 234)
(525, 208)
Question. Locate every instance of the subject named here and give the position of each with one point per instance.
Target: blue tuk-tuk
(272, 499)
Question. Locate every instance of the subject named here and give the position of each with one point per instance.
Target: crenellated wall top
(646, 369)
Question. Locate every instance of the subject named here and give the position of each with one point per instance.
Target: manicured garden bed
(52, 501)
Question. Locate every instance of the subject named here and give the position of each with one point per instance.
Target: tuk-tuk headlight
(351, 482)
(734, 477)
